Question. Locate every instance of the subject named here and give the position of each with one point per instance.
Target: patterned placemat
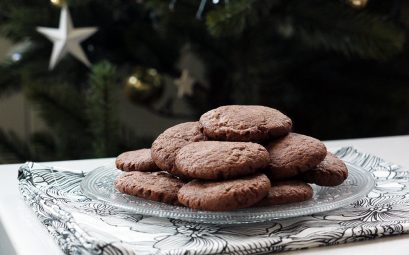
(84, 226)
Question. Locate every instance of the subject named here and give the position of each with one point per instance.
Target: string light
(200, 9)
(58, 3)
(358, 4)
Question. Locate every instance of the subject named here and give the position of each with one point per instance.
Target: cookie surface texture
(294, 154)
(137, 160)
(224, 195)
(244, 123)
(157, 186)
(167, 144)
(332, 171)
(285, 192)
(215, 160)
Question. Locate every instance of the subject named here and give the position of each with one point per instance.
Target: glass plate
(98, 184)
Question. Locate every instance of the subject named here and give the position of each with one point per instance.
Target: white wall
(13, 113)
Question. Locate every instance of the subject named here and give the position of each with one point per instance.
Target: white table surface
(22, 234)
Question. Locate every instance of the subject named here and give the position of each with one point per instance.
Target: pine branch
(18, 25)
(61, 107)
(57, 104)
(335, 27)
(12, 148)
(102, 109)
(9, 79)
(43, 146)
(231, 20)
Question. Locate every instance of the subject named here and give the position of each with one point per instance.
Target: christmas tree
(338, 68)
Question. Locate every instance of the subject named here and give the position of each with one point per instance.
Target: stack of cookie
(234, 157)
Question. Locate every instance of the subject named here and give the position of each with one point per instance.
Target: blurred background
(338, 68)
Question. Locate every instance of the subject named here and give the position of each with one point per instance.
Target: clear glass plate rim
(239, 216)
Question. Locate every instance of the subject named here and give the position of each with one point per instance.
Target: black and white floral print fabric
(84, 226)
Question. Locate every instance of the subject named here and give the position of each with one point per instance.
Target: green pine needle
(102, 109)
(334, 27)
(229, 20)
(62, 108)
(13, 148)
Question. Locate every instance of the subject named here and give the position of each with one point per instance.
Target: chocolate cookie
(285, 192)
(138, 160)
(293, 154)
(157, 186)
(330, 172)
(214, 160)
(244, 123)
(167, 144)
(224, 195)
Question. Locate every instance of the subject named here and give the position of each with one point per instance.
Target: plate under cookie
(98, 184)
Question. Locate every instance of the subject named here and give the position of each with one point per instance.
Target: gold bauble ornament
(144, 85)
(58, 3)
(357, 4)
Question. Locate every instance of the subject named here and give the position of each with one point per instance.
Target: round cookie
(330, 172)
(214, 160)
(285, 192)
(293, 154)
(224, 195)
(167, 144)
(157, 186)
(244, 123)
(138, 160)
